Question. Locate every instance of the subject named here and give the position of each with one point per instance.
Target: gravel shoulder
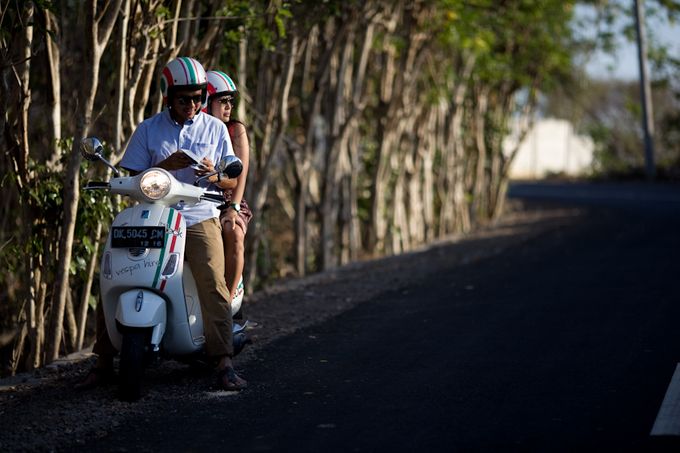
(41, 411)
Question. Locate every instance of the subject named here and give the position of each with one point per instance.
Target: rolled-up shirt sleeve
(137, 156)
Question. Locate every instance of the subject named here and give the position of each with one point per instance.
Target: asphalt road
(565, 343)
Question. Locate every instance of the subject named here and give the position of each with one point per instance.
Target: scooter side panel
(193, 305)
(184, 334)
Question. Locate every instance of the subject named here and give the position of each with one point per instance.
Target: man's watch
(235, 206)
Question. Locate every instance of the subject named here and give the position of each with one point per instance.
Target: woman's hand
(230, 217)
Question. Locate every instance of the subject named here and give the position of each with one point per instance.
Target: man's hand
(206, 167)
(176, 161)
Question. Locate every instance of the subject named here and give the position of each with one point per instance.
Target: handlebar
(216, 197)
(176, 191)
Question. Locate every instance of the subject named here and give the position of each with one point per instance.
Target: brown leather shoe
(95, 378)
(227, 379)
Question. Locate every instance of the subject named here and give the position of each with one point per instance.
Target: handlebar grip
(97, 185)
(217, 198)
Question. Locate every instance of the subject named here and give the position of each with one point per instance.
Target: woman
(222, 94)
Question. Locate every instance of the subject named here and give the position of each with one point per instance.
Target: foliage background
(376, 126)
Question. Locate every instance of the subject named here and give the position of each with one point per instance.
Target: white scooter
(148, 292)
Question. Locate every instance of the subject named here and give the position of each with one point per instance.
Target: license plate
(143, 236)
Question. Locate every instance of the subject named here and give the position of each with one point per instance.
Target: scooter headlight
(155, 184)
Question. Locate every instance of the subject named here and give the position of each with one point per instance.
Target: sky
(624, 64)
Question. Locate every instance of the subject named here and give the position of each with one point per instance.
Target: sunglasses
(231, 100)
(185, 100)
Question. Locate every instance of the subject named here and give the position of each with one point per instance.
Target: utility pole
(645, 91)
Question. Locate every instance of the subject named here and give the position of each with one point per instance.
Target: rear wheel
(134, 355)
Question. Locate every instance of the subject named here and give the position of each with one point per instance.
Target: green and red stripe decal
(170, 241)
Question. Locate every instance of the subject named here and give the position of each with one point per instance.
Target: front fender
(141, 308)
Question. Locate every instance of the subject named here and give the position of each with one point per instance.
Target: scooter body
(148, 292)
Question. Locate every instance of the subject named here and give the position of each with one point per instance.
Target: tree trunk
(70, 325)
(345, 214)
(35, 325)
(40, 326)
(338, 234)
(34, 318)
(499, 185)
(300, 222)
(23, 180)
(427, 152)
(480, 200)
(398, 88)
(122, 75)
(25, 85)
(355, 232)
(273, 100)
(301, 155)
(343, 70)
(146, 83)
(241, 73)
(54, 64)
(99, 37)
(18, 351)
(85, 295)
(378, 224)
(71, 198)
(399, 222)
(454, 215)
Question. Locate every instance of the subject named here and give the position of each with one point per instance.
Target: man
(157, 142)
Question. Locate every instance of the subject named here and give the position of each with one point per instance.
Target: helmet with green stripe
(220, 84)
(183, 73)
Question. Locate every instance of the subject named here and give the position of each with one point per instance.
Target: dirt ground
(41, 411)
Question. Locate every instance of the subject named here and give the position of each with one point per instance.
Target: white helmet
(184, 73)
(220, 84)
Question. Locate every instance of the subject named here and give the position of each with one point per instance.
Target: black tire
(134, 355)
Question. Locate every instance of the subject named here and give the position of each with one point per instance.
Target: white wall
(551, 146)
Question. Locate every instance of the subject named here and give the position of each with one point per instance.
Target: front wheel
(133, 357)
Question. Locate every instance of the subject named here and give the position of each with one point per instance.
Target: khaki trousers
(205, 254)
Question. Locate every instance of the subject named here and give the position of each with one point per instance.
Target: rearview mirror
(230, 166)
(91, 148)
